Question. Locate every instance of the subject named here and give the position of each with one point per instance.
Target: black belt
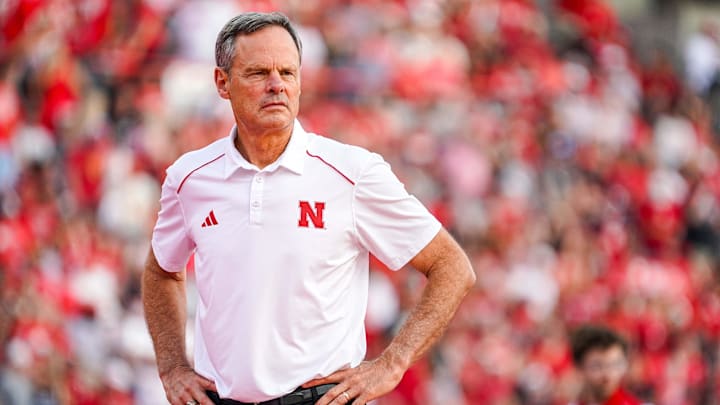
(299, 396)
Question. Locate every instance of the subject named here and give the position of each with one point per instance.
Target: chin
(607, 391)
(277, 122)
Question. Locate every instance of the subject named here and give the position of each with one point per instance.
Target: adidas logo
(210, 220)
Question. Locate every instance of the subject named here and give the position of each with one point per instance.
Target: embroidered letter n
(307, 214)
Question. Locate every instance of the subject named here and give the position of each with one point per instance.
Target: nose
(275, 83)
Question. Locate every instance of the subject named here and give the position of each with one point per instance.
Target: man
(601, 356)
(281, 223)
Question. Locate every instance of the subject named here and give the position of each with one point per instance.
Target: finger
(196, 390)
(335, 395)
(202, 398)
(205, 400)
(316, 382)
(207, 384)
(355, 394)
(335, 377)
(182, 397)
(193, 391)
(346, 397)
(186, 399)
(361, 400)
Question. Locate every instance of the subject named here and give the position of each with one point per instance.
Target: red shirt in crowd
(620, 397)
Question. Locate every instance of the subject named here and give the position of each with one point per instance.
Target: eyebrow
(254, 67)
(265, 68)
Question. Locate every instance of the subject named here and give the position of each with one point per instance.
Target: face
(263, 84)
(603, 370)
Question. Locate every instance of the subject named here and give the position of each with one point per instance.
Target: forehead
(272, 44)
(611, 353)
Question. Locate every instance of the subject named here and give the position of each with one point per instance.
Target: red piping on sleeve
(194, 170)
(331, 166)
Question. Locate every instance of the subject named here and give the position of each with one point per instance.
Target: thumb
(335, 377)
(207, 384)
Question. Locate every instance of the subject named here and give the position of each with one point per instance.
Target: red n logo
(316, 215)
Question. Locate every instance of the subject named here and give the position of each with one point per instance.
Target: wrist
(395, 361)
(167, 370)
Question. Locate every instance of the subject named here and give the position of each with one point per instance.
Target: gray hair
(245, 24)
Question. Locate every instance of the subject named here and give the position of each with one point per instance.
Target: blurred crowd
(582, 179)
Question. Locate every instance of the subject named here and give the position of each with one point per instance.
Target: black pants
(301, 396)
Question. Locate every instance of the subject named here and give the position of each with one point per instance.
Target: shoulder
(194, 160)
(623, 397)
(350, 160)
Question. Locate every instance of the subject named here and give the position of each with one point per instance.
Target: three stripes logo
(210, 220)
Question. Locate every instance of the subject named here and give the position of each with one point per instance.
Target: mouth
(273, 104)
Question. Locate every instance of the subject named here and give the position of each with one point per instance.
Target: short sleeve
(170, 241)
(390, 223)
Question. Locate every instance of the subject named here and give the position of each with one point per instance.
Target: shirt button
(258, 179)
(256, 204)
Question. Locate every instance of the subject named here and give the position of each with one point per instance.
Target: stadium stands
(583, 182)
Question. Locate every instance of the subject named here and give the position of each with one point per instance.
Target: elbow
(470, 278)
(154, 272)
(467, 277)
(461, 272)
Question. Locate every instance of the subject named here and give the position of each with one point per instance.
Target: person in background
(601, 357)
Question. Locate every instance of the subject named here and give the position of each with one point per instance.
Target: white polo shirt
(281, 256)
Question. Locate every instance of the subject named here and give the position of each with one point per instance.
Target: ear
(222, 80)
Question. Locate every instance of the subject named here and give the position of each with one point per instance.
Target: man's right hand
(183, 385)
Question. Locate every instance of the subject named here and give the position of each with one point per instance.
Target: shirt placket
(256, 198)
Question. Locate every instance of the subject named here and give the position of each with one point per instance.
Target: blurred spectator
(601, 357)
(702, 58)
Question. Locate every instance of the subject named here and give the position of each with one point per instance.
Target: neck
(590, 397)
(263, 149)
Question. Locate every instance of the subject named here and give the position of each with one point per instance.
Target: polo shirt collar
(292, 158)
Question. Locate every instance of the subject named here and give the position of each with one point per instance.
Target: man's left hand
(367, 381)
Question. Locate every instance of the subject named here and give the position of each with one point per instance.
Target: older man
(282, 222)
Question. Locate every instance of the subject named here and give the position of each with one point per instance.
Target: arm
(450, 276)
(163, 296)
